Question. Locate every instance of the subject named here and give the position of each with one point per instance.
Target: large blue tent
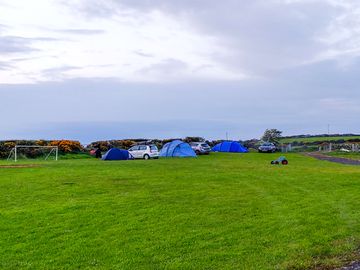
(232, 147)
(117, 154)
(177, 148)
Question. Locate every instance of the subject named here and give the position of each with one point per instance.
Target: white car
(144, 151)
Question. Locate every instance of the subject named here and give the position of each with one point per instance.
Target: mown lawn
(223, 211)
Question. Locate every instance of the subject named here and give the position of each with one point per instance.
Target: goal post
(14, 153)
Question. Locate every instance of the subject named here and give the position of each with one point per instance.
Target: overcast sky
(106, 69)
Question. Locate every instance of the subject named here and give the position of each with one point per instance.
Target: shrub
(67, 146)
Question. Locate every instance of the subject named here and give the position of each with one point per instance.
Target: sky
(103, 69)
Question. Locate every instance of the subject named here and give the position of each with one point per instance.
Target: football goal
(47, 151)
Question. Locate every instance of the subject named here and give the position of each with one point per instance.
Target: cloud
(259, 36)
(288, 64)
(58, 73)
(93, 8)
(81, 31)
(5, 65)
(3, 27)
(12, 44)
(346, 105)
(130, 41)
(173, 109)
(167, 68)
(16, 44)
(141, 53)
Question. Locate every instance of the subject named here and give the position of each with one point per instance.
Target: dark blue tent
(117, 154)
(177, 148)
(232, 147)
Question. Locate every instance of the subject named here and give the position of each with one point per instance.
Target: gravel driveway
(334, 159)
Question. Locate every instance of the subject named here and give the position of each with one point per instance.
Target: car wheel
(284, 162)
(146, 157)
(197, 152)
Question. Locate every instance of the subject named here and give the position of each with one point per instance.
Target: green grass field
(223, 211)
(318, 139)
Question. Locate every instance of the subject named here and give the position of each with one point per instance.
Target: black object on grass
(281, 160)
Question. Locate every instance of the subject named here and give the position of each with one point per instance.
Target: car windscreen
(153, 148)
(204, 145)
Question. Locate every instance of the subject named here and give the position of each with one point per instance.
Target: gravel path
(334, 159)
(353, 266)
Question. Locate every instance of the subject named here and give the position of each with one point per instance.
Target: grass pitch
(223, 211)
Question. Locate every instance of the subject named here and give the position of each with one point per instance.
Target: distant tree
(272, 135)
(194, 139)
(253, 143)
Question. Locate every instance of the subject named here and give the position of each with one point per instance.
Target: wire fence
(324, 147)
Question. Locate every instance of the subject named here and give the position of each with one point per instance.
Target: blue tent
(233, 147)
(117, 154)
(177, 148)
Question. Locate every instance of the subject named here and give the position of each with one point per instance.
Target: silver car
(200, 148)
(267, 147)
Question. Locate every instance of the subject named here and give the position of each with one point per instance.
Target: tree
(271, 135)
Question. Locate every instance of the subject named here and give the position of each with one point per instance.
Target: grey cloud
(244, 109)
(60, 69)
(269, 39)
(5, 65)
(11, 44)
(3, 27)
(167, 67)
(93, 8)
(81, 31)
(15, 44)
(141, 53)
(322, 79)
(58, 72)
(257, 36)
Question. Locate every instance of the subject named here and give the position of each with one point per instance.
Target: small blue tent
(177, 148)
(117, 154)
(232, 147)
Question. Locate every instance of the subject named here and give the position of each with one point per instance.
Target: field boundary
(18, 166)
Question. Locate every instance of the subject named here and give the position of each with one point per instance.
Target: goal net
(33, 151)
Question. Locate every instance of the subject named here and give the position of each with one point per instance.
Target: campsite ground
(223, 211)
